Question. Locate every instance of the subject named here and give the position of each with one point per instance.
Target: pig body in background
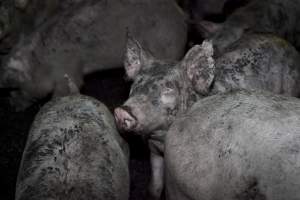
(162, 89)
(74, 151)
(33, 13)
(212, 9)
(270, 16)
(19, 18)
(90, 37)
(240, 145)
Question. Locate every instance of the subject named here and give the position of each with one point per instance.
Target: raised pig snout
(125, 120)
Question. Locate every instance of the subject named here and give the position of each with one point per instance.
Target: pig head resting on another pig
(88, 38)
(163, 89)
(235, 146)
(74, 152)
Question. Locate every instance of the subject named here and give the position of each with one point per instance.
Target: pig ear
(200, 66)
(135, 57)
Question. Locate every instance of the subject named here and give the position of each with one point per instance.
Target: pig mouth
(125, 119)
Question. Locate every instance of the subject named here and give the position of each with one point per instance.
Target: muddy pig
(163, 89)
(239, 145)
(74, 151)
(89, 38)
(269, 16)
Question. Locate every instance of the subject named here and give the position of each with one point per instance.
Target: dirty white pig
(235, 146)
(163, 89)
(74, 151)
(88, 38)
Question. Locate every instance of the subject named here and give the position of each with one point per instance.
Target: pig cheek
(148, 118)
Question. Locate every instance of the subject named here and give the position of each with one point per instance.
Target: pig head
(162, 89)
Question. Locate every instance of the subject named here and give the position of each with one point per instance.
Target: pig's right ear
(135, 57)
(200, 67)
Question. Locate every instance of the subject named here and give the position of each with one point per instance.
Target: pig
(88, 38)
(270, 16)
(163, 89)
(238, 145)
(74, 151)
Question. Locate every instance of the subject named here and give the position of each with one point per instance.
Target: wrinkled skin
(235, 146)
(74, 152)
(162, 90)
(87, 38)
(270, 16)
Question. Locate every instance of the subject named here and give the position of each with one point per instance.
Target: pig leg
(157, 176)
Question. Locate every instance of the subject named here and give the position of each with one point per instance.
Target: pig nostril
(124, 119)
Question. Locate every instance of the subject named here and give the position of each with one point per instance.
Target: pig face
(161, 89)
(154, 94)
(18, 73)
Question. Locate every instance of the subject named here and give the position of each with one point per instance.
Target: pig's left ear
(135, 57)
(200, 66)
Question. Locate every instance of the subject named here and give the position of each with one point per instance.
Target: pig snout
(124, 118)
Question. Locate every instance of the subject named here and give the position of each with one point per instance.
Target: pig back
(74, 151)
(241, 144)
(259, 61)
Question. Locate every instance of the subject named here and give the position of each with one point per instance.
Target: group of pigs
(222, 123)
